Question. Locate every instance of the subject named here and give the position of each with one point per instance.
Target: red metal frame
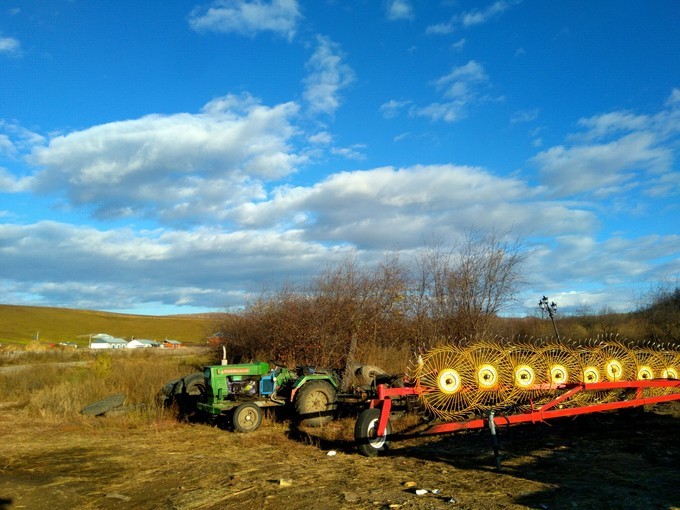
(545, 412)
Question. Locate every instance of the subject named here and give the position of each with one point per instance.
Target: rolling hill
(23, 324)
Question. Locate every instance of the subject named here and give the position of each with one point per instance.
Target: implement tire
(315, 403)
(365, 433)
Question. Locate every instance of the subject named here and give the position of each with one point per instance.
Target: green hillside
(22, 324)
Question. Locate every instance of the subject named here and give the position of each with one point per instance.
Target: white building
(104, 341)
(142, 344)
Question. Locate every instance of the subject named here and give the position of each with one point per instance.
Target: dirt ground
(596, 461)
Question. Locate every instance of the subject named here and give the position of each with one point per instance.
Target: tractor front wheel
(366, 436)
(315, 403)
(247, 418)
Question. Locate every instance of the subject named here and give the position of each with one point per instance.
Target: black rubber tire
(103, 406)
(365, 430)
(315, 403)
(189, 391)
(247, 418)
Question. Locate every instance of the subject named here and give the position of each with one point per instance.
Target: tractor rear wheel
(247, 418)
(188, 393)
(315, 403)
(366, 436)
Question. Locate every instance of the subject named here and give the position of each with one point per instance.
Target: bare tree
(465, 287)
(660, 309)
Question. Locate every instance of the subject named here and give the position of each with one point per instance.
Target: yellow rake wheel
(528, 369)
(590, 372)
(619, 363)
(561, 363)
(448, 378)
(560, 366)
(647, 365)
(671, 367)
(493, 374)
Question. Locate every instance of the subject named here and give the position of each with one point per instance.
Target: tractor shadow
(603, 460)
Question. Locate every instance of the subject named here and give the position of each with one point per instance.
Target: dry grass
(57, 388)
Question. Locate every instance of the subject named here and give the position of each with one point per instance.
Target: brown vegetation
(383, 314)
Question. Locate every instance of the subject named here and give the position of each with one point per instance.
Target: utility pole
(551, 309)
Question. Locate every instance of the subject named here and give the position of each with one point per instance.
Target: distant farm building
(142, 344)
(172, 344)
(104, 341)
(216, 339)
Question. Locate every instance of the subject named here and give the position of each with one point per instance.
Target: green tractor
(242, 391)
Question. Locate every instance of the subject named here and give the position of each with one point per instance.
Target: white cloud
(321, 138)
(470, 18)
(355, 152)
(616, 152)
(478, 17)
(178, 167)
(399, 9)
(15, 139)
(524, 116)
(600, 168)
(10, 46)
(247, 17)
(674, 99)
(461, 88)
(9, 183)
(386, 206)
(117, 268)
(452, 111)
(328, 75)
(459, 45)
(392, 108)
(440, 29)
(460, 82)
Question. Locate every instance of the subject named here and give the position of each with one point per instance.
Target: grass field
(25, 324)
(54, 457)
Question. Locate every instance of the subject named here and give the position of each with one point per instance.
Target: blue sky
(175, 156)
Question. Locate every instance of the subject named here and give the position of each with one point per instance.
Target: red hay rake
(464, 388)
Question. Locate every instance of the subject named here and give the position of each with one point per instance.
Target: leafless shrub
(660, 311)
(350, 310)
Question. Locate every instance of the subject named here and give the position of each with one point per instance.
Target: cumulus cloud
(247, 17)
(177, 167)
(328, 76)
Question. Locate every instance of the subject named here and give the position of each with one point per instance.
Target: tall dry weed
(56, 391)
